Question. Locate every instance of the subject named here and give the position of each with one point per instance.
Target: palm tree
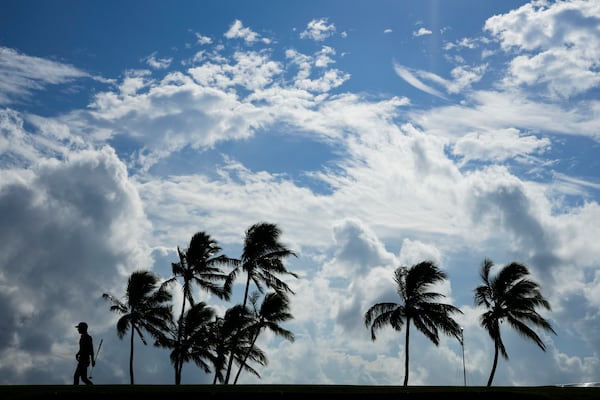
(273, 310)
(194, 341)
(219, 342)
(262, 260)
(199, 264)
(417, 306)
(230, 340)
(146, 308)
(510, 296)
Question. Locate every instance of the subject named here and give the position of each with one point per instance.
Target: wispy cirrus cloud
(21, 74)
(411, 78)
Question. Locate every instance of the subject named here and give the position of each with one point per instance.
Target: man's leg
(77, 374)
(84, 375)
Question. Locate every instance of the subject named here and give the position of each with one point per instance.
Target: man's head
(81, 327)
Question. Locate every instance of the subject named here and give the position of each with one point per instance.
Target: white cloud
(19, 148)
(499, 145)
(411, 79)
(318, 30)
(558, 42)
(203, 40)
(158, 63)
(238, 31)
(414, 251)
(496, 110)
(463, 78)
(422, 32)
(359, 250)
(88, 224)
(21, 75)
(323, 57)
(467, 43)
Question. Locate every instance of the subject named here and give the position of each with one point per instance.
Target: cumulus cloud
(553, 43)
(81, 230)
(359, 250)
(318, 30)
(422, 32)
(238, 31)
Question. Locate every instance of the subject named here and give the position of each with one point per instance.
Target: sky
(375, 134)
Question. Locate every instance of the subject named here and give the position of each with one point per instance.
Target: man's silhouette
(84, 356)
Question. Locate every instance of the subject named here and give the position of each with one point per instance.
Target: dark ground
(181, 392)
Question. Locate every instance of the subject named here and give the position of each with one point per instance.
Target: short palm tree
(273, 310)
(262, 261)
(219, 362)
(194, 342)
(510, 296)
(146, 307)
(199, 265)
(418, 306)
(231, 340)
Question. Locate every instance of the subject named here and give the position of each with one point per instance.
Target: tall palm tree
(199, 265)
(510, 296)
(146, 307)
(418, 306)
(273, 310)
(262, 261)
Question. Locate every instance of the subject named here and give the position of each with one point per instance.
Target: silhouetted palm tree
(510, 296)
(262, 261)
(273, 310)
(219, 343)
(417, 306)
(230, 340)
(194, 342)
(199, 265)
(146, 307)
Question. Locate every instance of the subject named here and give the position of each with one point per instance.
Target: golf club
(96, 358)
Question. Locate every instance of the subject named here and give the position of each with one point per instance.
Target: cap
(81, 325)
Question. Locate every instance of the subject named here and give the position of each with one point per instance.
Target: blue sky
(374, 133)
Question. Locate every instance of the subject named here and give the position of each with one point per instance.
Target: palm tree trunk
(489, 383)
(178, 369)
(406, 352)
(131, 356)
(246, 356)
(230, 365)
(178, 360)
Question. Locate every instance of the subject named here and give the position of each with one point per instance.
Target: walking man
(84, 356)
